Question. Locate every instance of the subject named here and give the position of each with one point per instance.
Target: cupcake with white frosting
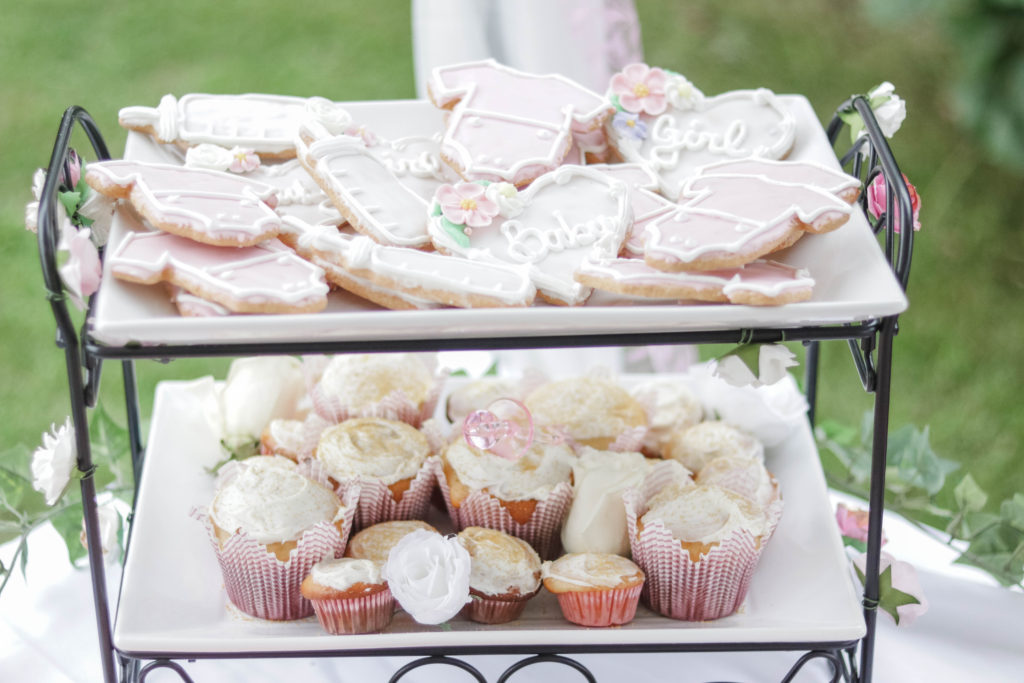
(386, 459)
(283, 437)
(504, 574)
(349, 596)
(269, 523)
(591, 411)
(671, 407)
(595, 589)
(396, 386)
(527, 497)
(746, 476)
(375, 542)
(699, 545)
(698, 445)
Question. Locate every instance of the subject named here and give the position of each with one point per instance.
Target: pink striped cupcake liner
(363, 614)
(601, 607)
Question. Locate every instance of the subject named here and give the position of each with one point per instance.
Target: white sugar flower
(53, 461)
(257, 390)
(506, 196)
(429, 576)
(889, 108)
(681, 93)
(742, 368)
(329, 115)
(210, 157)
(110, 524)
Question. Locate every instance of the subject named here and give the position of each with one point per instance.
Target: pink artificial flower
(853, 523)
(243, 160)
(82, 271)
(877, 196)
(467, 204)
(74, 171)
(903, 579)
(640, 89)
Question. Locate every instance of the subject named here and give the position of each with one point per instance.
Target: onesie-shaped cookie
(267, 124)
(759, 283)
(507, 125)
(207, 206)
(562, 218)
(266, 278)
(398, 277)
(646, 204)
(664, 121)
(734, 213)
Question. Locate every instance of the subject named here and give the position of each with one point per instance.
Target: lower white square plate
(173, 601)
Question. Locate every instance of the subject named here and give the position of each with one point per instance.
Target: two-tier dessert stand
(860, 300)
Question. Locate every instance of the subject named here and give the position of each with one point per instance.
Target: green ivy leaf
(70, 201)
(1012, 511)
(459, 373)
(859, 546)
(16, 492)
(492, 371)
(9, 530)
(968, 495)
(110, 449)
(68, 523)
(889, 598)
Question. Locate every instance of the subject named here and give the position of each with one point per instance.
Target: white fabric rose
(771, 363)
(209, 157)
(889, 108)
(329, 115)
(257, 390)
(53, 461)
(429, 576)
(110, 524)
(506, 196)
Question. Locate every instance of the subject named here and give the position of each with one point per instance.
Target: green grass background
(957, 363)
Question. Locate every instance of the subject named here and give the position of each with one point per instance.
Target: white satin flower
(53, 462)
(772, 361)
(429, 576)
(890, 109)
(109, 523)
(258, 389)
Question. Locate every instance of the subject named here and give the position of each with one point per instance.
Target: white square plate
(854, 282)
(173, 600)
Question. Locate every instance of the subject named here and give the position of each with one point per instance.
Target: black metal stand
(870, 342)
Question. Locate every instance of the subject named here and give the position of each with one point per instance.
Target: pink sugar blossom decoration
(877, 199)
(243, 160)
(467, 204)
(640, 89)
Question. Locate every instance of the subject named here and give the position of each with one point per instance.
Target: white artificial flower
(889, 108)
(53, 461)
(429, 576)
(208, 156)
(83, 270)
(100, 209)
(903, 578)
(32, 208)
(507, 197)
(258, 389)
(769, 412)
(110, 524)
(681, 93)
(773, 359)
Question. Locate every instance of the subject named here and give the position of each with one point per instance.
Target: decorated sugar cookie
(647, 205)
(363, 188)
(508, 125)
(760, 283)
(266, 278)
(399, 272)
(266, 124)
(562, 218)
(728, 219)
(207, 206)
(664, 121)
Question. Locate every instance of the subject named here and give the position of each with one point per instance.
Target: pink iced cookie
(266, 278)
(725, 221)
(646, 203)
(760, 283)
(667, 123)
(562, 218)
(507, 125)
(842, 185)
(206, 206)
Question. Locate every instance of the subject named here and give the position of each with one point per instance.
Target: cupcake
(528, 497)
(283, 437)
(699, 545)
(477, 395)
(349, 596)
(671, 407)
(375, 542)
(396, 386)
(504, 574)
(386, 458)
(269, 523)
(591, 411)
(698, 445)
(745, 476)
(595, 589)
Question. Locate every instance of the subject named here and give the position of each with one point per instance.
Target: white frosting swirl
(706, 514)
(272, 502)
(381, 449)
(698, 445)
(670, 406)
(343, 573)
(361, 380)
(590, 570)
(500, 563)
(331, 116)
(531, 477)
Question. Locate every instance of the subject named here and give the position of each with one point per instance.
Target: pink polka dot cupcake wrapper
(543, 531)
(365, 614)
(263, 586)
(676, 586)
(378, 504)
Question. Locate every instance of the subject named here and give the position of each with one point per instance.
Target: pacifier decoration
(504, 428)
